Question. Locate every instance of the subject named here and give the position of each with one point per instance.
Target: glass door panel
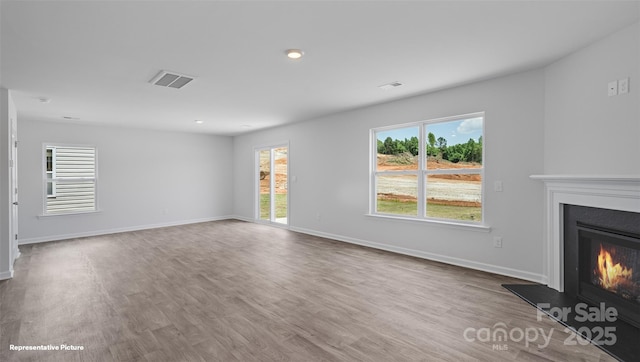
(280, 191)
(264, 193)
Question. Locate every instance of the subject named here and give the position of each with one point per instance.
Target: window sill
(43, 216)
(451, 224)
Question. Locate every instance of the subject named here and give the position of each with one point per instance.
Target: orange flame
(611, 274)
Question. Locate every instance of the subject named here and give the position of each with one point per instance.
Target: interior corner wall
(586, 131)
(145, 179)
(329, 158)
(7, 110)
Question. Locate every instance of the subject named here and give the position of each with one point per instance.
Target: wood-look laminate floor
(237, 291)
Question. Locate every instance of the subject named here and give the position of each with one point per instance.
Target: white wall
(145, 179)
(7, 112)
(330, 159)
(587, 132)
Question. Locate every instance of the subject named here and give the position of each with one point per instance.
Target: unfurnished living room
(319, 180)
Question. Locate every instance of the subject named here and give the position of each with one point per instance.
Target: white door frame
(13, 183)
(272, 180)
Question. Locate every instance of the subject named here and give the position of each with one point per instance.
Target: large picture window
(430, 170)
(69, 179)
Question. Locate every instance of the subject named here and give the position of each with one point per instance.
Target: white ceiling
(94, 59)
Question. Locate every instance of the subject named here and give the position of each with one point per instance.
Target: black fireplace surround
(590, 232)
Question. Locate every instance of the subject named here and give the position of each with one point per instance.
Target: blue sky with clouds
(455, 132)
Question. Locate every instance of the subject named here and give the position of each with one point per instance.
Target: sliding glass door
(272, 198)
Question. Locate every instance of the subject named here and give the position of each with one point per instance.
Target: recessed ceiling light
(44, 100)
(246, 126)
(69, 118)
(199, 121)
(294, 53)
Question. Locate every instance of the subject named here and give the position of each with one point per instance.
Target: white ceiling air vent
(390, 85)
(171, 79)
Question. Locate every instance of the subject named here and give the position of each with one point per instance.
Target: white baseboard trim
(44, 239)
(242, 218)
(6, 274)
(495, 269)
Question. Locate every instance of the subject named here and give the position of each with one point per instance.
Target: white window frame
(422, 172)
(46, 196)
(52, 172)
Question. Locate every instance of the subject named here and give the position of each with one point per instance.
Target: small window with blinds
(70, 179)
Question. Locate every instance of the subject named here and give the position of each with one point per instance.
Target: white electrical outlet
(497, 242)
(612, 88)
(497, 186)
(623, 86)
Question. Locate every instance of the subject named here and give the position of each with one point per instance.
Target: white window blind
(72, 174)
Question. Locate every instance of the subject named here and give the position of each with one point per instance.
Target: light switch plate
(623, 86)
(613, 88)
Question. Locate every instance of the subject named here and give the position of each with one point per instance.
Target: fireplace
(603, 192)
(591, 259)
(609, 270)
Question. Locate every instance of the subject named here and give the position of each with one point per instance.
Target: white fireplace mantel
(603, 191)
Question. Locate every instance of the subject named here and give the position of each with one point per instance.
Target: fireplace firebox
(602, 259)
(609, 270)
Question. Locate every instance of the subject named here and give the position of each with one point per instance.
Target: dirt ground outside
(280, 165)
(452, 189)
(455, 190)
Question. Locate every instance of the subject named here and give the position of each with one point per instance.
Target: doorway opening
(272, 196)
